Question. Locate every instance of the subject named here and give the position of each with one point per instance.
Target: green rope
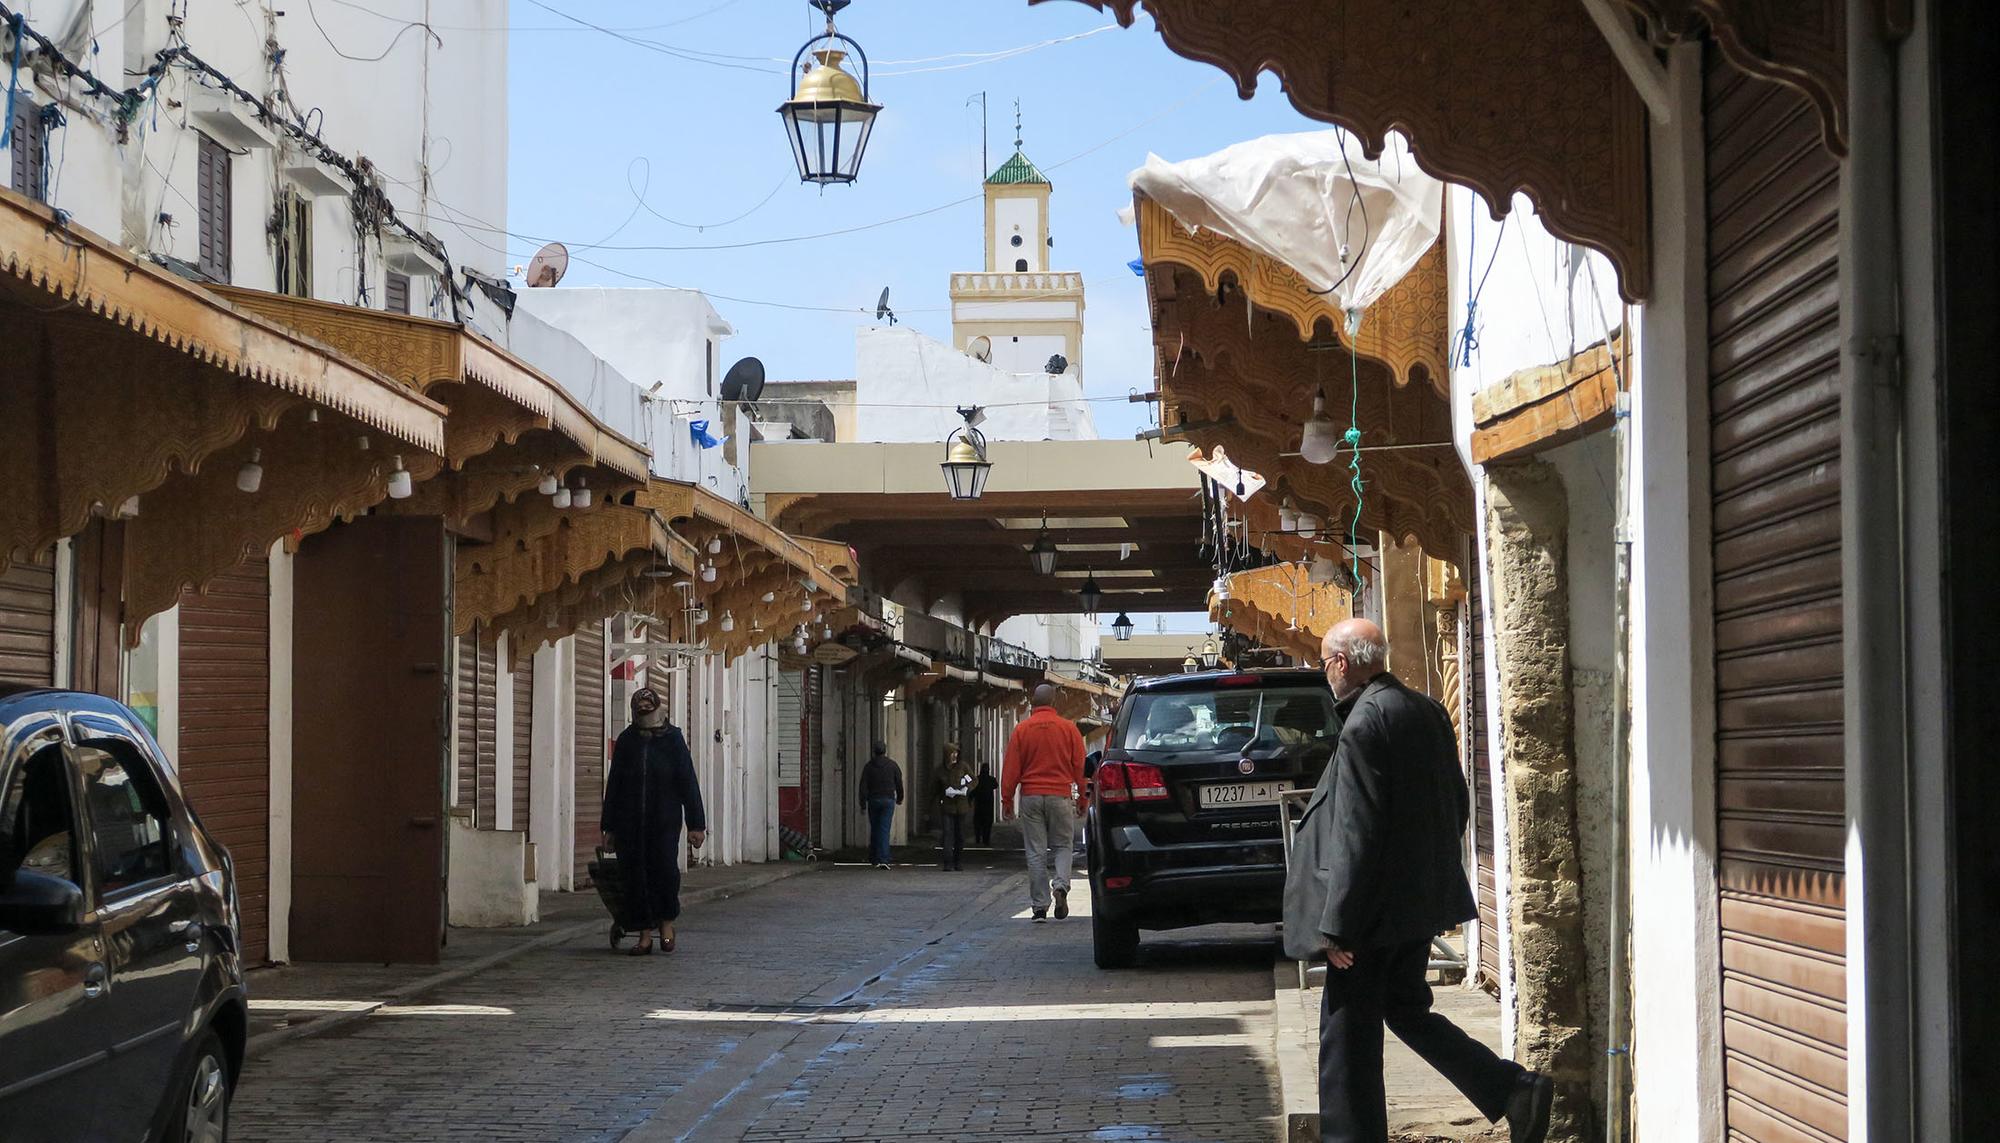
(1353, 437)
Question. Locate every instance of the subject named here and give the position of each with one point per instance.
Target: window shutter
(396, 293)
(212, 201)
(27, 144)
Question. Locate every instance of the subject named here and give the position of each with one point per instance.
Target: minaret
(1028, 313)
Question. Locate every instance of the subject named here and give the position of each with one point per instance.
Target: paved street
(846, 1004)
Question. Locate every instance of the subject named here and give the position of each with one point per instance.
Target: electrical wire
(396, 39)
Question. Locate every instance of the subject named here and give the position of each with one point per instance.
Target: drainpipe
(1618, 1035)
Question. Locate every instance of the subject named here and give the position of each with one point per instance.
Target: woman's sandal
(666, 943)
(643, 948)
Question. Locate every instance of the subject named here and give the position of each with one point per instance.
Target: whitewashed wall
(907, 386)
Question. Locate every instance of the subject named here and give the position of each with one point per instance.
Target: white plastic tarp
(1347, 223)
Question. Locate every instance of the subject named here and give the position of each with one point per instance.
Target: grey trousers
(1047, 827)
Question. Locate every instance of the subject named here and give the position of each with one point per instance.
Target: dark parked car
(1183, 823)
(122, 1011)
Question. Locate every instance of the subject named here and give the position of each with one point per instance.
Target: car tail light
(1237, 680)
(1130, 782)
(1117, 882)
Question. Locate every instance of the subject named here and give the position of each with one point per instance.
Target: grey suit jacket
(1376, 861)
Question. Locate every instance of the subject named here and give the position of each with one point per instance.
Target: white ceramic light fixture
(399, 482)
(250, 477)
(1319, 443)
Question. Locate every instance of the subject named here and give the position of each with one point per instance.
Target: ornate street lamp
(1188, 665)
(828, 118)
(1122, 627)
(1043, 553)
(965, 465)
(1210, 656)
(1091, 594)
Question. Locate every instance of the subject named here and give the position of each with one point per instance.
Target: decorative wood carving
(121, 375)
(1498, 97)
(1279, 606)
(527, 561)
(199, 525)
(1250, 392)
(1799, 43)
(1406, 330)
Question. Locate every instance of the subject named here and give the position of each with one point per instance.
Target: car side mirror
(34, 903)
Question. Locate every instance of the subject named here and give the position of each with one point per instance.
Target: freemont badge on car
(1183, 824)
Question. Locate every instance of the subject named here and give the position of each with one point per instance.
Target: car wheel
(1114, 944)
(617, 934)
(202, 1113)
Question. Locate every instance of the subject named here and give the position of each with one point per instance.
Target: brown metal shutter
(1486, 887)
(591, 748)
(28, 622)
(465, 713)
(27, 151)
(225, 731)
(1774, 407)
(486, 731)
(524, 739)
(214, 206)
(396, 293)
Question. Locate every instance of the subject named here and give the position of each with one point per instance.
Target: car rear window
(1234, 719)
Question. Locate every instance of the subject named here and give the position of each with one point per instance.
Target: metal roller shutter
(591, 747)
(1774, 397)
(486, 730)
(465, 716)
(1486, 889)
(225, 731)
(28, 622)
(524, 738)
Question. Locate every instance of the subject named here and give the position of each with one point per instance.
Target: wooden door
(1774, 410)
(370, 640)
(591, 747)
(225, 730)
(524, 740)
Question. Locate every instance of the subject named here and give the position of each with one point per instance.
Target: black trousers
(1388, 987)
(953, 841)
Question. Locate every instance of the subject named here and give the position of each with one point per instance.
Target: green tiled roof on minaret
(1015, 171)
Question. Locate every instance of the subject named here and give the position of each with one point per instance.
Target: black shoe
(1528, 1108)
(1062, 904)
(1039, 914)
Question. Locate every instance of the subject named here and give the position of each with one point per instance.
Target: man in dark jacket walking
(1374, 875)
(881, 792)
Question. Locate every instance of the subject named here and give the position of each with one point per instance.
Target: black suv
(1183, 823)
(122, 1012)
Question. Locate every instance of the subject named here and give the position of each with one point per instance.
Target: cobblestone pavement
(847, 1004)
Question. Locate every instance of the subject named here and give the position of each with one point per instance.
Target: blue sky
(594, 117)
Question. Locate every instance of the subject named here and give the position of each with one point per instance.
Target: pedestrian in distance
(1044, 766)
(983, 790)
(881, 792)
(954, 799)
(650, 792)
(1375, 873)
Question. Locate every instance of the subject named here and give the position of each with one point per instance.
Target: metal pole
(1617, 1053)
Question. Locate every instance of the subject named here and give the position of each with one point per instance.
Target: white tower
(1027, 312)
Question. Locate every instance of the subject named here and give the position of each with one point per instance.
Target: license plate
(1242, 794)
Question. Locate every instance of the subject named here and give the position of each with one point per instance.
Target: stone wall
(1527, 516)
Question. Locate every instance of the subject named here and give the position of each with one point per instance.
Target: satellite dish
(744, 381)
(548, 265)
(1058, 364)
(981, 348)
(882, 309)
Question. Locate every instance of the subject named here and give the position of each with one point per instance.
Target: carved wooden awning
(127, 387)
(1535, 409)
(1504, 97)
(767, 582)
(538, 549)
(1081, 700)
(1278, 606)
(1241, 380)
(1406, 330)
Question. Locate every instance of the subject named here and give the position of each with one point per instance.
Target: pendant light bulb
(1319, 443)
(580, 497)
(728, 622)
(399, 482)
(770, 597)
(708, 572)
(362, 441)
(548, 484)
(1308, 525)
(250, 477)
(312, 416)
(715, 545)
(1288, 516)
(806, 605)
(563, 498)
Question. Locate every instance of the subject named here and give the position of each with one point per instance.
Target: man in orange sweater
(1044, 764)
